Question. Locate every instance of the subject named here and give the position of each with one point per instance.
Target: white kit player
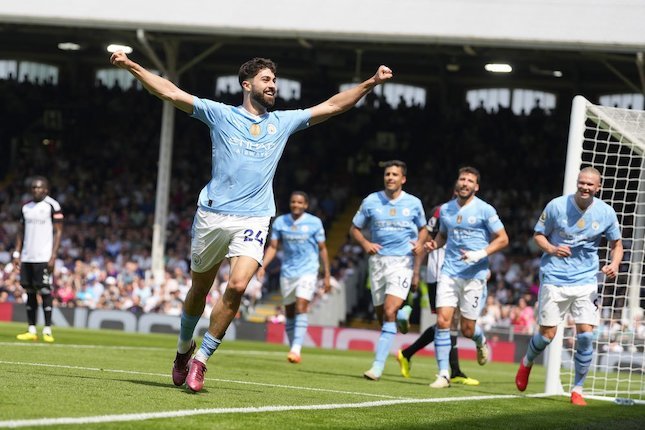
(37, 245)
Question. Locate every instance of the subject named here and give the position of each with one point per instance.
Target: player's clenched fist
(119, 59)
(383, 74)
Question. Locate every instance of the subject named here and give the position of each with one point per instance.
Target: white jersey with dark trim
(37, 221)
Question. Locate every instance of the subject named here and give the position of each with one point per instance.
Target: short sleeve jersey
(300, 239)
(37, 221)
(563, 223)
(393, 224)
(245, 150)
(467, 228)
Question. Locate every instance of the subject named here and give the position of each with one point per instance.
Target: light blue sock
(583, 357)
(537, 345)
(388, 331)
(479, 336)
(442, 347)
(186, 331)
(300, 330)
(209, 345)
(289, 326)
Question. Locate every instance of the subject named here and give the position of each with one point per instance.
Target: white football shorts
(217, 236)
(390, 275)
(581, 301)
(303, 287)
(467, 294)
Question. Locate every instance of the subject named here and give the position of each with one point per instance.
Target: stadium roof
(593, 42)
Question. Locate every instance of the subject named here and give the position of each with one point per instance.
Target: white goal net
(613, 141)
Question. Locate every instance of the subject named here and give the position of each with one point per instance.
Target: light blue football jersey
(245, 154)
(563, 223)
(394, 223)
(467, 228)
(300, 239)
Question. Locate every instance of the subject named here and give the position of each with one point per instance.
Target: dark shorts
(432, 296)
(35, 276)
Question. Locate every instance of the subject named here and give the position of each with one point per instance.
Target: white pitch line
(229, 381)
(247, 410)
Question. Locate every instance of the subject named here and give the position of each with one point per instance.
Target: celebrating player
(471, 231)
(235, 207)
(394, 218)
(569, 232)
(435, 261)
(302, 236)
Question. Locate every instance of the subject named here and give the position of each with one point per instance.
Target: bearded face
(263, 96)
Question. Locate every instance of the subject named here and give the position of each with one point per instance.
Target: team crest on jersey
(595, 225)
(305, 228)
(271, 129)
(472, 220)
(458, 219)
(392, 211)
(255, 130)
(406, 212)
(581, 223)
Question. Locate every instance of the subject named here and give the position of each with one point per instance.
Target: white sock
(577, 389)
(32, 329)
(47, 330)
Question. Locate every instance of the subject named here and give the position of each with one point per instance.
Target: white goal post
(613, 141)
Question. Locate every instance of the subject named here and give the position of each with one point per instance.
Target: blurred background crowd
(99, 149)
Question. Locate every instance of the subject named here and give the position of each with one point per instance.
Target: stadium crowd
(99, 149)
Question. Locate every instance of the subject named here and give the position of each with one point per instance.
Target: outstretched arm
(156, 85)
(345, 100)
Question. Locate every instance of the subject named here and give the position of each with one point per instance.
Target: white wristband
(474, 256)
(16, 255)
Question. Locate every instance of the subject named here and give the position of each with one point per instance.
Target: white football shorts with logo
(467, 294)
(390, 275)
(303, 287)
(555, 302)
(217, 236)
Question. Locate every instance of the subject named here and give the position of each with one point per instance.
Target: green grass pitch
(115, 380)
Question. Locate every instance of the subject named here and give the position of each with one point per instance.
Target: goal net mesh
(613, 141)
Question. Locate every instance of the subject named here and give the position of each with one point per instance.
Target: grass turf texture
(104, 375)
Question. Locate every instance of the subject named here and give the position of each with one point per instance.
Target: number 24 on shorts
(250, 235)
